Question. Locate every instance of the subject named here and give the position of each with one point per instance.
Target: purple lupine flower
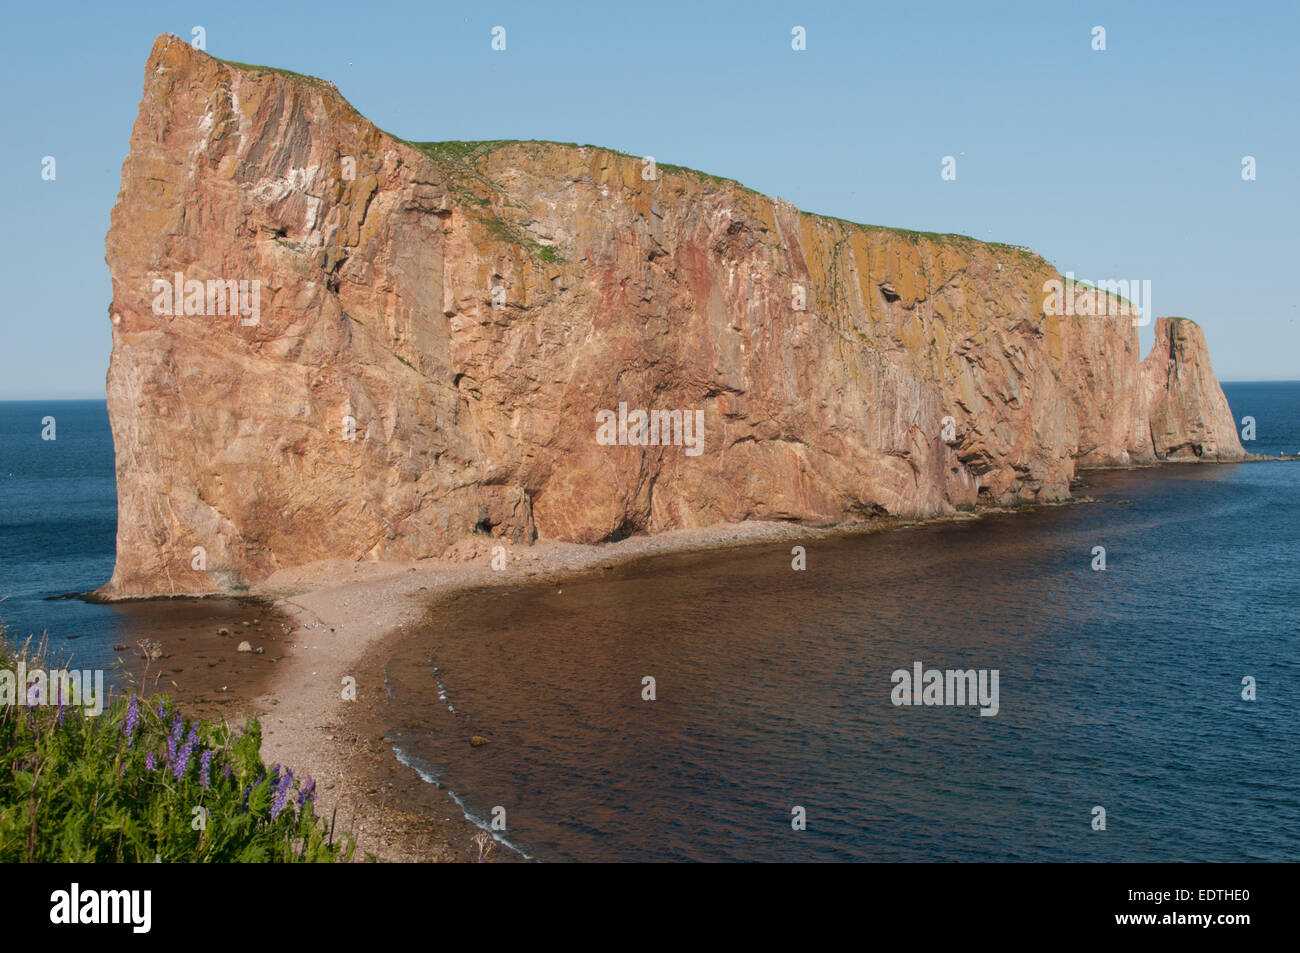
(183, 758)
(150, 762)
(225, 774)
(281, 794)
(162, 708)
(58, 718)
(205, 765)
(174, 739)
(308, 792)
(132, 719)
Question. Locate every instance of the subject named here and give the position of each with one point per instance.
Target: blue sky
(1117, 164)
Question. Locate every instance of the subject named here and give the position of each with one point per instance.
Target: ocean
(58, 533)
(1119, 690)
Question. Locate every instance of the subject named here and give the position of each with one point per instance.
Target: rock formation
(1183, 406)
(434, 338)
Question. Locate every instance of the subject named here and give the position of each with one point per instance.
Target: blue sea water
(58, 532)
(1276, 412)
(1118, 689)
(58, 521)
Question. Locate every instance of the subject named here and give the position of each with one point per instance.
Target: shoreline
(347, 616)
(294, 580)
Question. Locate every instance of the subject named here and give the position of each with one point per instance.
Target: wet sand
(200, 665)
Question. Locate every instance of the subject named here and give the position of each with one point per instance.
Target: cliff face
(437, 333)
(1185, 412)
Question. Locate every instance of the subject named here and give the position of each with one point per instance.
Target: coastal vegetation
(141, 782)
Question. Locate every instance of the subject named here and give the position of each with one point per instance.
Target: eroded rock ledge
(464, 312)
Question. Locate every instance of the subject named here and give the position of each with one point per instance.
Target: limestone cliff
(431, 334)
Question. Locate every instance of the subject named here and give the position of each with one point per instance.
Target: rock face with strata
(1183, 406)
(439, 328)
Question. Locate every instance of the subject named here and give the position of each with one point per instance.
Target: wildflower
(281, 794)
(150, 762)
(182, 762)
(225, 774)
(308, 792)
(162, 708)
(205, 765)
(132, 719)
(58, 718)
(174, 739)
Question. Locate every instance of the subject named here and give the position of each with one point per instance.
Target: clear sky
(1122, 163)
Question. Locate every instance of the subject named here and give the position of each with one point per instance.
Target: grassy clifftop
(458, 157)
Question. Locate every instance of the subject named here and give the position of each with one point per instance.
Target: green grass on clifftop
(457, 160)
(460, 155)
(255, 68)
(457, 157)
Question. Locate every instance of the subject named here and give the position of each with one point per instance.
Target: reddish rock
(1183, 407)
(470, 311)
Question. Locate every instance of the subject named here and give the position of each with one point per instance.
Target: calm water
(58, 532)
(1119, 689)
(1275, 405)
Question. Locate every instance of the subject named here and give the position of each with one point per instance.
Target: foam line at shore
(427, 774)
